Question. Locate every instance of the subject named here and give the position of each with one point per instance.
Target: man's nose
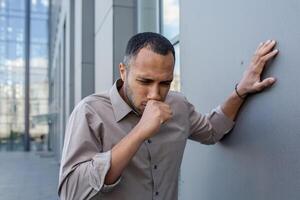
(154, 93)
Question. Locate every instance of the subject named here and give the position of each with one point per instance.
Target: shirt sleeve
(209, 128)
(83, 164)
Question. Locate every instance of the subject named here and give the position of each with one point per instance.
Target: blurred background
(18, 35)
(53, 53)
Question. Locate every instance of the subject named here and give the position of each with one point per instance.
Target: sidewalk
(30, 176)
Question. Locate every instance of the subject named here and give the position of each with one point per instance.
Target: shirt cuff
(101, 165)
(220, 122)
(110, 187)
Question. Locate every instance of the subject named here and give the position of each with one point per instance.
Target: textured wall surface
(260, 158)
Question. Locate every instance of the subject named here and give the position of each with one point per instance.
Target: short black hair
(154, 41)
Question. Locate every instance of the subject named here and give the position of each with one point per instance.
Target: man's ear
(122, 69)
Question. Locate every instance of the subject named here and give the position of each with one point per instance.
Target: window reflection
(176, 77)
(17, 5)
(170, 18)
(39, 32)
(12, 23)
(170, 29)
(12, 72)
(39, 6)
(39, 73)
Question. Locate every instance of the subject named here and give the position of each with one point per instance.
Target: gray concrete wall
(103, 45)
(259, 159)
(84, 49)
(59, 76)
(72, 62)
(87, 43)
(125, 26)
(115, 23)
(78, 50)
(88, 48)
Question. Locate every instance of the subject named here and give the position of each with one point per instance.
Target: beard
(130, 98)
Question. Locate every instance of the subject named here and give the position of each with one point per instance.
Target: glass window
(3, 7)
(16, 5)
(39, 73)
(170, 29)
(3, 23)
(14, 52)
(12, 71)
(176, 77)
(39, 6)
(170, 18)
(39, 76)
(15, 29)
(38, 51)
(39, 31)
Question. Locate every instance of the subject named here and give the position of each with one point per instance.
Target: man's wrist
(239, 92)
(138, 133)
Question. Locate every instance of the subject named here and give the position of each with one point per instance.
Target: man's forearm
(232, 105)
(122, 153)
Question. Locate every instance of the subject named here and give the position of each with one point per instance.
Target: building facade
(87, 43)
(259, 159)
(23, 73)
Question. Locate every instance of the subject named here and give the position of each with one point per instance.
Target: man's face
(147, 78)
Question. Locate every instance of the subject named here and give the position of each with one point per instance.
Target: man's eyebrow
(144, 78)
(140, 77)
(151, 80)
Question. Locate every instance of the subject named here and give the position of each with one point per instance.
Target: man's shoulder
(179, 105)
(97, 98)
(95, 101)
(175, 97)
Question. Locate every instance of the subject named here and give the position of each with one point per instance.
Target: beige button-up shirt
(100, 121)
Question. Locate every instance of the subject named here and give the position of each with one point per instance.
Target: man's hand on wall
(251, 81)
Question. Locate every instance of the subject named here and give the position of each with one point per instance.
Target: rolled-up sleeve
(83, 164)
(209, 128)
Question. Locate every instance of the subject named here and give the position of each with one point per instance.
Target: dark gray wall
(124, 27)
(88, 49)
(260, 158)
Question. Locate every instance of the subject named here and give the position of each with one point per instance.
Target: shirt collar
(120, 107)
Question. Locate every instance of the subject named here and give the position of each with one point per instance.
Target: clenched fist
(155, 114)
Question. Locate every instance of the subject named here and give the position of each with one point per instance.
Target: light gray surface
(124, 26)
(32, 175)
(114, 25)
(103, 45)
(260, 158)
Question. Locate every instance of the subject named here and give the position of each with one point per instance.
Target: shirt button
(149, 141)
(156, 193)
(155, 166)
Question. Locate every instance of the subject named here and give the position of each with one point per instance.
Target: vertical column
(103, 45)
(124, 26)
(84, 49)
(115, 23)
(27, 78)
(88, 58)
(148, 15)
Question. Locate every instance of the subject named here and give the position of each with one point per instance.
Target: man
(128, 143)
